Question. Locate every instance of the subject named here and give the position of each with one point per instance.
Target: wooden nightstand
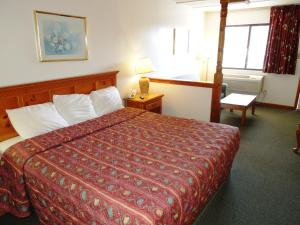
(152, 102)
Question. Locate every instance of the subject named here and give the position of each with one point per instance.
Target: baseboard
(275, 106)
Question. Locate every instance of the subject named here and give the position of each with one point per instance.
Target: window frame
(248, 44)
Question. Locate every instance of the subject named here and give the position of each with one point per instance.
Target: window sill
(232, 68)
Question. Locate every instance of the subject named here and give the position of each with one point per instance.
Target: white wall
(278, 89)
(18, 56)
(190, 102)
(119, 32)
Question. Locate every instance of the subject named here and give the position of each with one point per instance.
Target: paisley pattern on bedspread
(128, 167)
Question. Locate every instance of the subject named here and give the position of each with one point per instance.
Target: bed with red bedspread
(127, 167)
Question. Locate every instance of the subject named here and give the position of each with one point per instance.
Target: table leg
(243, 122)
(253, 108)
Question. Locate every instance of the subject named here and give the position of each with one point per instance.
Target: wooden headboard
(36, 93)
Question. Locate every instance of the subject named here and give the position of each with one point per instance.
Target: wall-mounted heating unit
(247, 84)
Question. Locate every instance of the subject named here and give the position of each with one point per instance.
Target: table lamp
(143, 67)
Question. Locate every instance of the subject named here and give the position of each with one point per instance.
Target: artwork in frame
(61, 37)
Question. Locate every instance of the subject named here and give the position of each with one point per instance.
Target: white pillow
(106, 100)
(74, 108)
(35, 120)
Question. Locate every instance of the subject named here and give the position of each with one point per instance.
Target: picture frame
(60, 37)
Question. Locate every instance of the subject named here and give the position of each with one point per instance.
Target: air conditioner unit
(244, 84)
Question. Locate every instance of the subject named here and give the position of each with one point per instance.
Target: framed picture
(60, 37)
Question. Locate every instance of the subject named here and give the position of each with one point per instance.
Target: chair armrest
(224, 89)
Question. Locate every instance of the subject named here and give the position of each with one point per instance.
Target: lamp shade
(144, 66)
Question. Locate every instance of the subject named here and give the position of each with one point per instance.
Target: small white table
(239, 102)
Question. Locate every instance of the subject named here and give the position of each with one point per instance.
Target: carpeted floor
(264, 186)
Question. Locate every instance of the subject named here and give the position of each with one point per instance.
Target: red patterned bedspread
(127, 167)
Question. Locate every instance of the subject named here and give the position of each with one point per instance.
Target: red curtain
(282, 48)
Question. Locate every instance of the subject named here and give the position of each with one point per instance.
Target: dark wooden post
(218, 78)
(298, 140)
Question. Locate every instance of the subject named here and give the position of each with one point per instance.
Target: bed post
(218, 78)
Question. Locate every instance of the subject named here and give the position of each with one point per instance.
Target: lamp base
(144, 86)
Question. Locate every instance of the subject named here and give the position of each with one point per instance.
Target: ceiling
(211, 5)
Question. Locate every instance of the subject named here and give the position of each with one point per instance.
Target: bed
(126, 167)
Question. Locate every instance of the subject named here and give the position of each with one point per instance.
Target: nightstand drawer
(153, 105)
(134, 104)
(151, 102)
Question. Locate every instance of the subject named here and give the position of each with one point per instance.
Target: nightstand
(151, 102)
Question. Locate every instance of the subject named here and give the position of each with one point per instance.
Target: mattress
(4, 145)
(126, 167)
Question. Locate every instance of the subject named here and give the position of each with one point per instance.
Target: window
(245, 46)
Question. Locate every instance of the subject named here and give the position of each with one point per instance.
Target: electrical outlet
(265, 92)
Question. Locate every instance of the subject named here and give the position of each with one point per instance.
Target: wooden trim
(275, 106)
(297, 96)
(182, 82)
(37, 93)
